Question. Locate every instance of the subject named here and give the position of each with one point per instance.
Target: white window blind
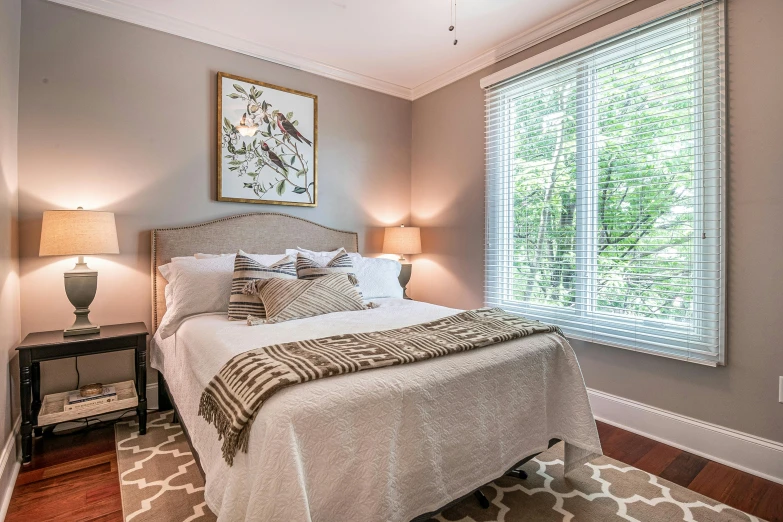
(605, 189)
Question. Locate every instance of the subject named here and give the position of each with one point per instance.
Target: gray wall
(9, 265)
(448, 198)
(118, 117)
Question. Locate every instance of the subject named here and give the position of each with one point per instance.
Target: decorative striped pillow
(285, 300)
(307, 268)
(246, 269)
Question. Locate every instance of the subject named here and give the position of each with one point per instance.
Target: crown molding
(578, 15)
(167, 24)
(135, 15)
(600, 34)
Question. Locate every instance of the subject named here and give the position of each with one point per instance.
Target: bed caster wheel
(518, 473)
(483, 500)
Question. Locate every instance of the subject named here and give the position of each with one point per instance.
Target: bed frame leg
(517, 473)
(483, 500)
(164, 402)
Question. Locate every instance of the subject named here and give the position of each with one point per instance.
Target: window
(605, 189)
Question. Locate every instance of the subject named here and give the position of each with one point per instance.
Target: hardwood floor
(74, 477)
(754, 495)
(71, 477)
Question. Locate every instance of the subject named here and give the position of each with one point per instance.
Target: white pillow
(378, 277)
(165, 270)
(319, 257)
(264, 259)
(196, 286)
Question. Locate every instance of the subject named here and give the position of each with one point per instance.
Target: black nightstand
(48, 346)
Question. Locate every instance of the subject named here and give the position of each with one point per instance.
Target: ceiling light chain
(453, 26)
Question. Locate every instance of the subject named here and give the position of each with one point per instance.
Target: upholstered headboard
(260, 233)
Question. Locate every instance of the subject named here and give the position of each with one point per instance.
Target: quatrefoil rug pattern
(160, 482)
(603, 490)
(159, 478)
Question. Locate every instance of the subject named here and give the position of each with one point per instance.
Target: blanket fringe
(233, 441)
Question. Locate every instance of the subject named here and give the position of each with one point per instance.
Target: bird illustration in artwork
(286, 127)
(274, 158)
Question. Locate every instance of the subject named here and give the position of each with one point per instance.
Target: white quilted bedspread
(380, 445)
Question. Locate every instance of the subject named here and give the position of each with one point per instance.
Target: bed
(390, 444)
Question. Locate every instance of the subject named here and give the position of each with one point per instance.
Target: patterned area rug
(161, 482)
(159, 478)
(604, 490)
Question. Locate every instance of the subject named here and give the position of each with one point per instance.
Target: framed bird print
(267, 143)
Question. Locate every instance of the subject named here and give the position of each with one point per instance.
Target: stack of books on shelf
(75, 401)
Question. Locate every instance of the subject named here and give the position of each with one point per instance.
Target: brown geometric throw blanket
(234, 396)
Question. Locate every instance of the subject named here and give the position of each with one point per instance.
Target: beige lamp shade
(78, 233)
(402, 240)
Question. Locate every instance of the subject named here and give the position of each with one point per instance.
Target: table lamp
(402, 240)
(79, 233)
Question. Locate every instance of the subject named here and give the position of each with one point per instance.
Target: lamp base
(74, 330)
(81, 284)
(404, 278)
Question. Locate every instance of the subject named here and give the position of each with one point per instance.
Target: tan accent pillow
(285, 299)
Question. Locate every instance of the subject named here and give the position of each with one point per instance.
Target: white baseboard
(152, 396)
(754, 455)
(10, 461)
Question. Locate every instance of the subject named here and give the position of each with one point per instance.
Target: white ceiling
(402, 47)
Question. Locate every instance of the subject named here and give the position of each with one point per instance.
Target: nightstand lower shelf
(53, 411)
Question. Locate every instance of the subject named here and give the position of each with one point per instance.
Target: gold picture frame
(280, 174)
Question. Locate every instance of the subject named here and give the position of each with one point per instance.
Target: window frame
(605, 326)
